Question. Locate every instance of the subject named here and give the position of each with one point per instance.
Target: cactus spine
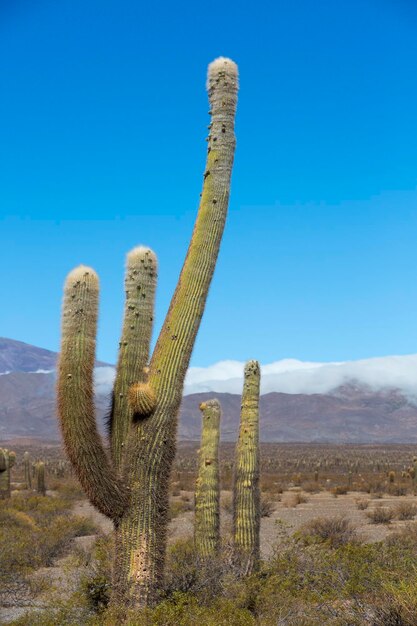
(7, 460)
(40, 478)
(246, 492)
(207, 493)
(131, 487)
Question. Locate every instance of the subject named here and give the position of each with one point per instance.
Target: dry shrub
(362, 504)
(293, 499)
(397, 490)
(226, 503)
(405, 510)
(404, 537)
(269, 483)
(335, 531)
(380, 515)
(178, 507)
(267, 506)
(311, 486)
(339, 490)
(69, 488)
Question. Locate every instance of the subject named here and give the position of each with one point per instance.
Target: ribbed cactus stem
(28, 476)
(246, 493)
(7, 460)
(133, 360)
(207, 492)
(141, 540)
(132, 488)
(76, 394)
(40, 478)
(175, 343)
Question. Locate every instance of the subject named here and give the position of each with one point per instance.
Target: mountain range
(353, 402)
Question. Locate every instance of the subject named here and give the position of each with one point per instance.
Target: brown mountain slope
(27, 409)
(16, 356)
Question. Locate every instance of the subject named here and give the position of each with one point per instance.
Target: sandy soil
(286, 518)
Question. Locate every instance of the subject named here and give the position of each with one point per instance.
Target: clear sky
(102, 147)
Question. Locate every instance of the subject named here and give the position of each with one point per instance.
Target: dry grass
(380, 515)
(335, 531)
(362, 504)
(293, 499)
(405, 510)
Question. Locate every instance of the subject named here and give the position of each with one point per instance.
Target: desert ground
(371, 488)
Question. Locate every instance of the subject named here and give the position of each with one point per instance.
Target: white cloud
(34, 372)
(103, 380)
(292, 376)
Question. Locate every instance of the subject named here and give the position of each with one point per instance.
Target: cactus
(131, 487)
(28, 477)
(246, 491)
(40, 478)
(7, 460)
(207, 493)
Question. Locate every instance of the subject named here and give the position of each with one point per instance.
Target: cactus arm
(246, 493)
(207, 493)
(140, 285)
(76, 396)
(141, 536)
(172, 352)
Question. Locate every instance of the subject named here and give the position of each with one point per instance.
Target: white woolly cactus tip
(225, 66)
(141, 252)
(82, 272)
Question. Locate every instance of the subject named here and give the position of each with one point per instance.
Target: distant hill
(350, 413)
(16, 356)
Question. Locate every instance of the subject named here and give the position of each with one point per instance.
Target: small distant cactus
(246, 493)
(28, 476)
(207, 493)
(7, 460)
(40, 478)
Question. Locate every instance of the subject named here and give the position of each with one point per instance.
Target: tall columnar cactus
(246, 492)
(207, 493)
(131, 487)
(28, 476)
(40, 478)
(7, 460)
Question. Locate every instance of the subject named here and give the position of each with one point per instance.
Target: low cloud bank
(292, 376)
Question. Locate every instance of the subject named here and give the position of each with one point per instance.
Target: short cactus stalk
(40, 478)
(131, 485)
(207, 493)
(7, 460)
(28, 476)
(246, 491)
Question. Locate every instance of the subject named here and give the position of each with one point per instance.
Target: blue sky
(103, 123)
